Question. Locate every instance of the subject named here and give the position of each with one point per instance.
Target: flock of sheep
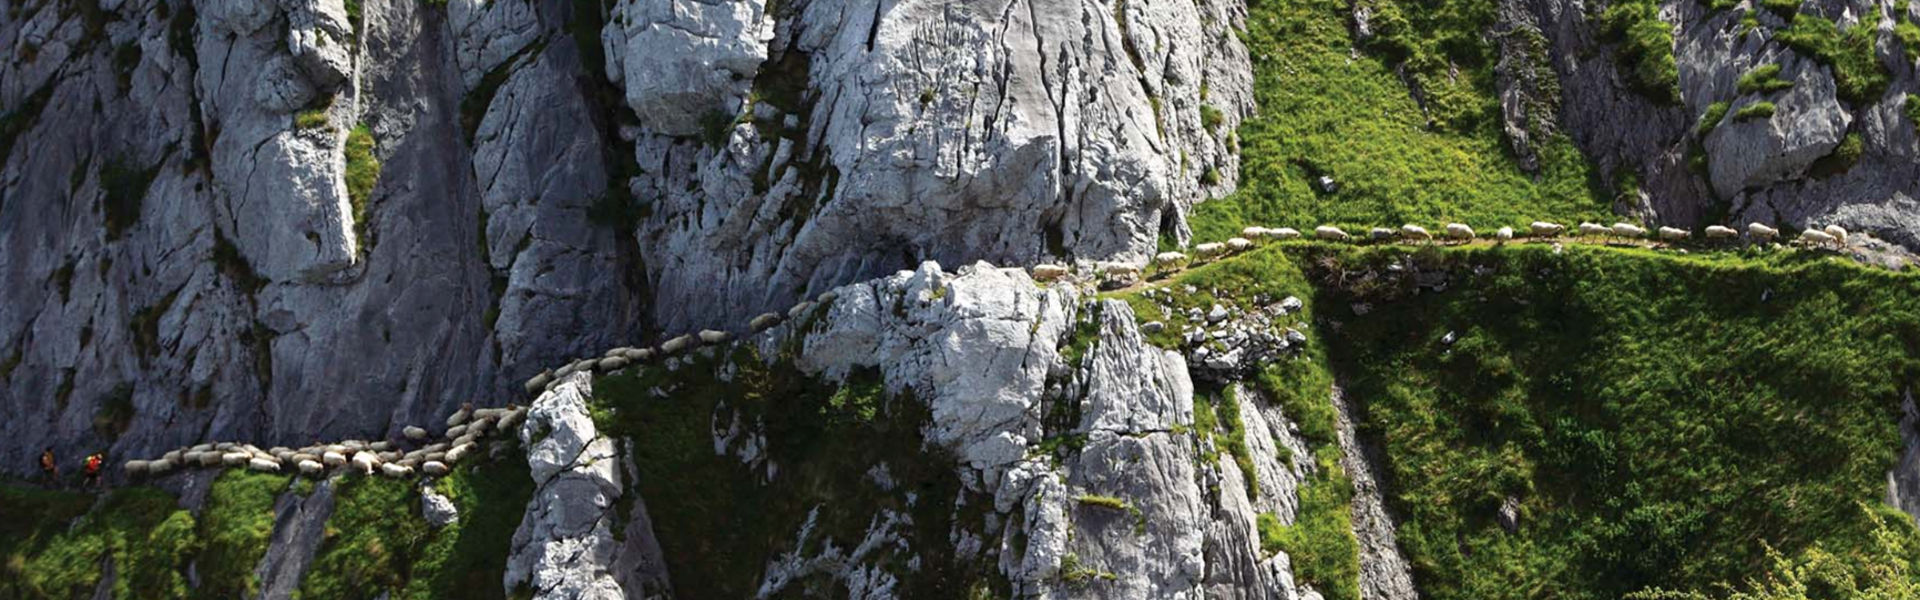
(620, 358)
(419, 451)
(1832, 236)
(466, 428)
(468, 425)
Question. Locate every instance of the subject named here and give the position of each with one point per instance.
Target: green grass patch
(363, 171)
(1661, 418)
(1716, 112)
(373, 536)
(470, 556)
(138, 530)
(1842, 159)
(1909, 35)
(1757, 110)
(1645, 47)
(1912, 108)
(235, 527)
(1108, 502)
(1857, 71)
(1764, 79)
(1323, 112)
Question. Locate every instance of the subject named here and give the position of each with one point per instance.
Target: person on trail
(47, 464)
(93, 467)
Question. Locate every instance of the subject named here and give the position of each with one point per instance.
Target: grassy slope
(1662, 417)
(54, 543)
(1659, 417)
(1323, 111)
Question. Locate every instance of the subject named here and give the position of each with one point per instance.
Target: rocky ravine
(184, 260)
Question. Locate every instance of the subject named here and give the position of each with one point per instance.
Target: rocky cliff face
(1835, 148)
(1135, 510)
(196, 249)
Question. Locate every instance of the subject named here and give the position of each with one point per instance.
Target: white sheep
(1331, 233)
(235, 459)
(308, 467)
(1209, 249)
(1545, 229)
(456, 453)
(414, 433)
(1674, 234)
(434, 468)
(1120, 270)
(710, 336)
(1284, 233)
(438, 447)
(223, 446)
(1239, 244)
(1762, 232)
(201, 448)
(1253, 232)
(763, 322)
(136, 467)
(1049, 272)
(1381, 234)
(263, 465)
(801, 309)
(639, 354)
(1459, 231)
(1815, 237)
(1416, 232)
(827, 297)
(1721, 232)
(1503, 234)
(393, 470)
(162, 466)
(458, 416)
(1839, 234)
(675, 345)
(342, 449)
(1169, 259)
(365, 462)
(614, 363)
(1629, 230)
(1593, 230)
(172, 455)
(454, 432)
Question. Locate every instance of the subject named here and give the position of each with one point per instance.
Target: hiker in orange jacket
(47, 464)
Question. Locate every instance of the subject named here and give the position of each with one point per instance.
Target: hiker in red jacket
(93, 467)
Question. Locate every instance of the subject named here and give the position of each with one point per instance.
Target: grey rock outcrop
(198, 266)
(925, 131)
(565, 546)
(1763, 169)
(679, 61)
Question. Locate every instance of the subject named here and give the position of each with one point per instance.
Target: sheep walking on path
(1673, 234)
(1331, 233)
(1503, 234)
(1543, 229)
(1762, 233)
(1721, 232)
(1594, 230)
(1459, 232)
(1416, 232)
